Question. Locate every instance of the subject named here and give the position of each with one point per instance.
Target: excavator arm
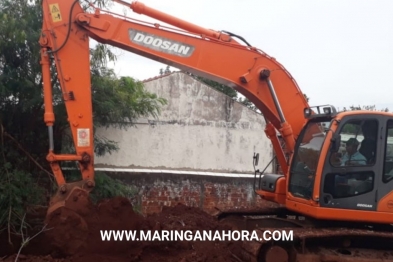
(215, 55)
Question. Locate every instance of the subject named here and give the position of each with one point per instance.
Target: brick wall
(206, 192)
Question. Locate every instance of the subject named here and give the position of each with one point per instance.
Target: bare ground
(74, 238)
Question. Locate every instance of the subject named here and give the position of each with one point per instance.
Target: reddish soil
(77, 238)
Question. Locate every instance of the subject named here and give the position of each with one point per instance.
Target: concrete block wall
(199, 129)
(198, 152)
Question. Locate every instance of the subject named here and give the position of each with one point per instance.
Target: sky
(340, 52)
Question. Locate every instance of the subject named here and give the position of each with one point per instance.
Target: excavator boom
(207, 53)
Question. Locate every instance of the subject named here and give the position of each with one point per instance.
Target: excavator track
(310, 240)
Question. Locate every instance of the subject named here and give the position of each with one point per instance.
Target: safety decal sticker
(55, 12)
(83, 137)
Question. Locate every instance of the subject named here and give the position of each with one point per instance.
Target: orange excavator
(335, 190)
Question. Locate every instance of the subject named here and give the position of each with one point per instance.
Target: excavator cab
(362, 179)
(342, 162)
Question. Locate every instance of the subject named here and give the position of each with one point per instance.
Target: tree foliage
(119, 101)
(24, 173)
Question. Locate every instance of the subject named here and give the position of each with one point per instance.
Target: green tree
(24, 173)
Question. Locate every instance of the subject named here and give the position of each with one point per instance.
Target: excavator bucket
(67, 210)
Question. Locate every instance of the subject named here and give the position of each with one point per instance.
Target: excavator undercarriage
(287, 237)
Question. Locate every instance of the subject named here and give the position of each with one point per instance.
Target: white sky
(340, 52)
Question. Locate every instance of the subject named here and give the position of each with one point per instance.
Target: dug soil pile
(79, 239)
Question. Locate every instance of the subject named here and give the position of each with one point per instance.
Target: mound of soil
(76, 237)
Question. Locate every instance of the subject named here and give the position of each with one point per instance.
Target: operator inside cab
(352, 155)
(358, 150)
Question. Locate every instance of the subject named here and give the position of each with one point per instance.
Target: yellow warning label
(55, 12)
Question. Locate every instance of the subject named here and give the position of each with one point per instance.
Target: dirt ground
(74, 240)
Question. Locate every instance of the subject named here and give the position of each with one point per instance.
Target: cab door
(385, 182)
(350, 177)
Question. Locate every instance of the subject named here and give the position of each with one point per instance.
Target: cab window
(348, 184)
(306, 158)
(388, 164)
(358, 144)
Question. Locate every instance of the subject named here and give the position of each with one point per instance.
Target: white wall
(199, 129)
